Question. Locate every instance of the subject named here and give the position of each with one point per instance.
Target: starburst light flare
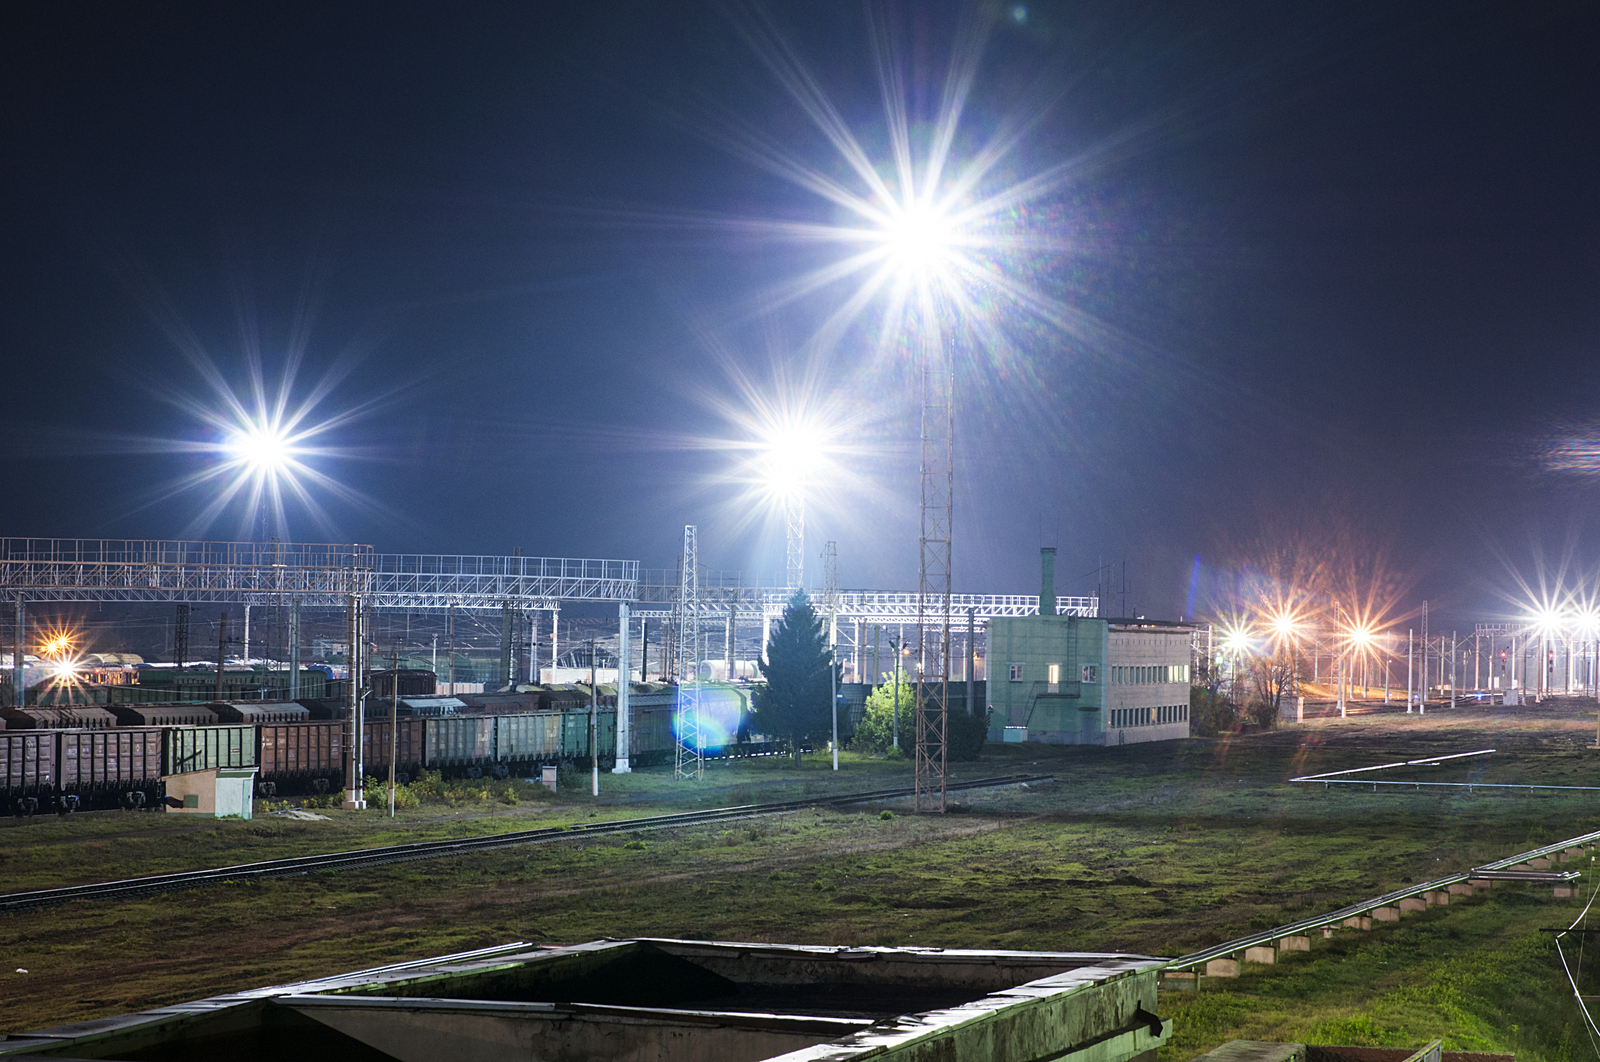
(944, 225)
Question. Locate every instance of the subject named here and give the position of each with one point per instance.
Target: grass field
(1157, 849)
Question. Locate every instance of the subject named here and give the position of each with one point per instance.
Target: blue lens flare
(721, 711)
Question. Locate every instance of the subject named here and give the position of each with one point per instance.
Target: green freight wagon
(457, 741)
(205, 748)
(575, 736)
(528, 740)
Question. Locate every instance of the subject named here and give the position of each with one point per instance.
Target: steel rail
(1431, 761)
(1325, 782)
(300, 865)
(1497, 870)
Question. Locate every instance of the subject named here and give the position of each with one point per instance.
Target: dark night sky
(1341, 262)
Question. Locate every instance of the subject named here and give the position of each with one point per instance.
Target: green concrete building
(1073, 680)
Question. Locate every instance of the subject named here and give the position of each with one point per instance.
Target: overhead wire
(1589, 1021)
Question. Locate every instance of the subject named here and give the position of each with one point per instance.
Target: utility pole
(594, 722)
(19, 658)
(355, 762)
(222, 642)
(971, 666)
(294, 648)
(1452, 667)
(450, 631)
(830, 589)
(394, 721)
(894, 644)
(624, 676)
(1422, 660)
(180, 635)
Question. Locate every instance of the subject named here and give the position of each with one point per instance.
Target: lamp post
(894, 644)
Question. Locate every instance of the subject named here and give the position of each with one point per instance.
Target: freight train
(63, 760)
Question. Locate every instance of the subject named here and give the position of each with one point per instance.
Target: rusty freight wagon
(259, 712)
(81, 716)
(303, 757)
(409, 738)
(168, 714)
(120, 767)
(28, 760)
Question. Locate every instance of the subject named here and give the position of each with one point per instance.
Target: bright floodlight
(1236, 639)
(917, 236)
(1548, 621)
(792, 456)
(260, 448)
(1361, 637)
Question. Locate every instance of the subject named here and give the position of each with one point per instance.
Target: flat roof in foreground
(663, 1001)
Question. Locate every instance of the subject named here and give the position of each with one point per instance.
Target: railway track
(366, 857)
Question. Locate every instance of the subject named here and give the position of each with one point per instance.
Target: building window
(1089, 673)
(1016, 672)
(1055, 674)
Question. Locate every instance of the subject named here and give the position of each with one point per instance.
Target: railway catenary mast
(937, 473)
(690, 763)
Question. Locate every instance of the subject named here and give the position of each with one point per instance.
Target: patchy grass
(1157, 849)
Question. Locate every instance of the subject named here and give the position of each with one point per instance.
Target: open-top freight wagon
(296, 755)
(65, 770)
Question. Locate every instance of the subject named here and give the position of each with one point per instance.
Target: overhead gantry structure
(358, 579)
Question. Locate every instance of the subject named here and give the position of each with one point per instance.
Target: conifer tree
(795, 704)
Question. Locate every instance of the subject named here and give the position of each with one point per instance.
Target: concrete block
(1294, 944)
(1565, 892)
(1360, 922)
(1461, 888)
(1539, 864)
(1413, 903)
(1180, 981)
(1480, 885)
(1253, 1051)
(1571, 854)
(1437, 898)
(1327, 932)
(1267, 955)
(1222, 968)
(1386, 914)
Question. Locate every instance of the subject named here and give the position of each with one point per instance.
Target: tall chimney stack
(1047, 581)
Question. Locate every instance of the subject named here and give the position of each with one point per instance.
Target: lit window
(1055, 674)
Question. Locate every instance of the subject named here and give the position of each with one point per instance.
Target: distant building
(1071, 680)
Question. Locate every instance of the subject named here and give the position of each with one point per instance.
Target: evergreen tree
(795, 704)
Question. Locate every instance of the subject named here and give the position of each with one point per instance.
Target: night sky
(1332, 272)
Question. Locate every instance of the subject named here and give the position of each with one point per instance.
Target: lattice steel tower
(690, 764)
(794, 518)
(933, 562)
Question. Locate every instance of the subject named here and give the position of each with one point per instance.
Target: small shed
(419, 705)
(221, 792)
